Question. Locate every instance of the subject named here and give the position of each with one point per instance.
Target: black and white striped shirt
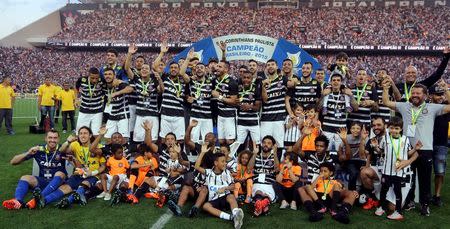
(390, 157)
(336, 116)
(119, 104)
(264, 166)
(217, 181)
(293, 133)
(133, 96)
(362, 115)
(147, 96)
(305, 93)
(173, 97)
(313, 162)
(201, 91)
(383, 111)
(275, 109)
(164, 158)
(250, 96)
(226, 87)
(91, 95)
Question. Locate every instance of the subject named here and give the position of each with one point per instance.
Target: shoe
(132, 199)
(12, 204)
(315, 217)
(284, 204)
(161, 200)
(115, 197)
(436, 200)
(107, 196)
(248, 200)
(425, 210)
(395, 216)
(11, 133)
(37, 195)
(31, 204)
(176, 210)
(63, 204)
(294, 205)
(238, 218)
(342, 217)
(101, 195)
(80, 198)
(371, 203)
(411, 205)
(379, 211)
(258, 208)
(193, 212)
(266, 204)
(322, 210)
(64, 131)
(151, 195)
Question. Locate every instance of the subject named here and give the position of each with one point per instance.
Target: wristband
(95, 172)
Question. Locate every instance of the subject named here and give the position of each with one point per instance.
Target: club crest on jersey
(366, 93)
(425, 111)
(342, 98)
(312, 90)
(279, 84)
(208, 87)
(57, 157)
(83, 80)
(120, 164)
(250, 96)
(223, 87)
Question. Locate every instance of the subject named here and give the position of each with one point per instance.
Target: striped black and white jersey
(305, 93)
(119, 104)
(217, 181)
(133, 96)
(198, 180)
(226, 87)
(147, 96)
(363, 93)
(201, 91)
(173, 97)
(91, 95)
(164, 158)
(264, 169)
(275, 109)
(313, 161)
(293, 133)
(249, 95)
(383, 111)
(232, 165)
(390, 146)
(336, 116)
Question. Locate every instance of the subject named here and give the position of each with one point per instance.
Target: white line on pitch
(162, 220)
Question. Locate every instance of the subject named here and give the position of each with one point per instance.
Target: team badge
(207, 87)
(57, 157)
(250, 96)
(312, 90)
(120, 164)
(366, 93)
(223, 87)
(342, 98)
(279, 83)
(425, 111)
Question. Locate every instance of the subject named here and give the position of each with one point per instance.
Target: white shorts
(132, 119)
(264, 188)
(93, 121)
(242, 132)
(114, 126)
(334, 139)
(139, 132)
(274, 129)
(203, 127)
(226, 128)
(122, 178)
(172, 124)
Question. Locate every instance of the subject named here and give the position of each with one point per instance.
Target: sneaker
(436, 200)
(425, 210)
(115, 197)
(101, 195)
(132, 199)
(12, 204)
(284, 204)
(248, 200)
(107, 196)
(322, 210)
(379, 211)
(371, 203)
(193, 212)
(37, 195)
(342, 217)
(80, 198)
(11, 133)
(315, 216)
(151, 195)
(176, 210)
(395, 216)
(266, 204)
(161, 200)
(258, 208)
(31, 204)
(294, 205)
(411, 205)
(63, 204)
(238, 218)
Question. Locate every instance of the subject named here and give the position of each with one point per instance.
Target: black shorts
(327, 201)
(220, 203)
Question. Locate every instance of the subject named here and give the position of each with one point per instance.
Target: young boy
(142, 167)
(312, 126)
(398, 156)
(220, 184)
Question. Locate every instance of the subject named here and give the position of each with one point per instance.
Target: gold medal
(397, 163)
(324, 197)
(241, 99)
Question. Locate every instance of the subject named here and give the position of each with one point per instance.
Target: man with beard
(111, 63)
(383, 111)
(119, 113)
(225, 92)
(320, 77)
(405, 88)
(264, 164)
(305, 91)
(418, 125)
(365, 95)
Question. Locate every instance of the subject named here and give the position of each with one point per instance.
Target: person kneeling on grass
(52, 171)
(220, 184)
(287, 181)
(117, 176)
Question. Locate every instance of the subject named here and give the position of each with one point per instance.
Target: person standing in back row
(7, 97)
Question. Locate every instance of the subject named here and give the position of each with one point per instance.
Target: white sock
(225, 216)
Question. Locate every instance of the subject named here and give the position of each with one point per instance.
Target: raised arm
(386, 101)
(148, 125)
(297, 148)
(164, 49)
(433, 78)
(131, 51)
(251, 162)
(187, 137)
(23, 156)
(223, 47)
(101, 133)
(185, 65)
(347, 154)
(264, 96)
(198, 162)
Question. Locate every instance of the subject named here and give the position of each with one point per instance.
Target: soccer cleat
(107, 196)
(395, 216)
(193, 212)
(12, 204)
(80, 198)
(63, 204)
(161, 200)
(132, 199)
(315, 216)
(342, 217)
(258, 208)
(40, 200)
(266, 204)
(238, 218)
(371, 203)
(284, 205)
(151, 195)
(31, 204)
(176, 210)
(409, 206)
(101, 195)
(248, 200)
(322, 210)
(437, 201)
(425, 210)
(115, 198)
(379, 211)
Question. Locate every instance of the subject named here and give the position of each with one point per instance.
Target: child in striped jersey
(231, 159)
(243, 176)
(293, 127)
(174, 169)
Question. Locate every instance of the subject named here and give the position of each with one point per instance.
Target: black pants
(71, 115)
(288, 194)
(353, 168)
(422, 168)
(7, 115)
(386, 183)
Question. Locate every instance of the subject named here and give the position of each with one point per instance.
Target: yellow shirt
(86, 158)
(67, 98)
(47, 93)
(6, 95)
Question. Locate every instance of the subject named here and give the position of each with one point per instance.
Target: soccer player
(117, 105)
(51, 162)
(366, 97)
(7, 98)
(111, 63)
(133, 73)
(287, 70)
(91, 90)
(394, 94)
(67, 98)
(220, 184)
(226, 93)
(320, 77)
(47, 94)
